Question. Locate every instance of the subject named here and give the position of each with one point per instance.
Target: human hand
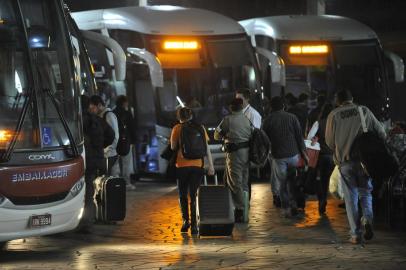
(211, 171)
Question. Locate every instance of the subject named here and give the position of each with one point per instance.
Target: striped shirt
(285, 134)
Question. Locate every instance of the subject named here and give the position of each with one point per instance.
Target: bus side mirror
(278, 73)
(119, 57)
(398, 66)
(154, 66)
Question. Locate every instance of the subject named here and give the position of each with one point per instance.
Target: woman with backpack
(189, 141)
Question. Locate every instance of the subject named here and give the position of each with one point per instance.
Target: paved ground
(150, 239)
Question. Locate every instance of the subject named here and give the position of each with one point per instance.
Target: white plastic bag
(336, 188)
(313, 131)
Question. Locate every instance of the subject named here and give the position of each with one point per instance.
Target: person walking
(342, 128)
(249, 111)
(235, 129)
(127, 139)
(94, 143)
(189, 171)
(98, 107)
(325, 165)
(287, 145)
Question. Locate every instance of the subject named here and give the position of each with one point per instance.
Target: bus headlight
(77, 187)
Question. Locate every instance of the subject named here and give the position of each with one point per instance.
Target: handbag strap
(363, 122)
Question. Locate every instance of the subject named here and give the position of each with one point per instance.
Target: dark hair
(120, 101)
(276, 104)
(321, 99)
(245, 92)
(236, 104)
(184, 114)
(84, 101)
(343, 96)
(303, 97)
(96, 100)
(325, 110)
(291, 99)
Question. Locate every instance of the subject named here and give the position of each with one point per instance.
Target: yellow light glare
(181, 45)
(308, 49)
(5, 135)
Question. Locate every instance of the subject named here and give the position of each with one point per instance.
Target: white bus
(44, 68)
(176, 56)
(322, 54)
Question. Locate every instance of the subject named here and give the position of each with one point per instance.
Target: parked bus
(44, 68)
(175, 57)
(322, 54)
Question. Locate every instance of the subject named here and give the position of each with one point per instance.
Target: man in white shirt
(98, 107)
(252, 114)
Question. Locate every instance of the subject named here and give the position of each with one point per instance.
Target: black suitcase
(215, 210)
(110, 198)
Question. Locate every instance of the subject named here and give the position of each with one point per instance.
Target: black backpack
(109, 134)
(372, 151)
(123, 144)
(193, 141)
(260, 147)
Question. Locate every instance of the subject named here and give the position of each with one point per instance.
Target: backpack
(109, 134)
(260, 147)
(372, 151)
(123, 144)
(193, 141)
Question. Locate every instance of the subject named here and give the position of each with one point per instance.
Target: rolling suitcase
(110, 198)
(215, 210)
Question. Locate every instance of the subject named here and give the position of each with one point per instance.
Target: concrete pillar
(143, 3)
(316, 7)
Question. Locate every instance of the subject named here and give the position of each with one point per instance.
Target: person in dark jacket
(325, 164)
(127, 131)
(287, 145)
(300, 110)
(94, 147)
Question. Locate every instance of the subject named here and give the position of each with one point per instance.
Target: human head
(291, 99)
(184, 114)
(303, 97)
(321, 100)
(96, 105)
(277, 104)
(344, 96)
(237, 104)
(245, 95)
(122, 102)
(326, 110)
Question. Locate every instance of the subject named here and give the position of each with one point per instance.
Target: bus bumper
(65, 216)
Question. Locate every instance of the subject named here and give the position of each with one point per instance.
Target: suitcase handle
(216, 183)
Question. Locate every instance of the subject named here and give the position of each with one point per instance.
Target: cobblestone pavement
(150, 239)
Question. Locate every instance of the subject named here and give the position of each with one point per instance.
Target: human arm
(375, 125)
(220, 131)
(175, 137)
(300, 139)
(112, 121)
(330, 134)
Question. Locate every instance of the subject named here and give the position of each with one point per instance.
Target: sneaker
(354, 240)
(130, 187)
(185, 227)
(368, 232)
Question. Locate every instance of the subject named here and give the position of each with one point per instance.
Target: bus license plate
(40, 220)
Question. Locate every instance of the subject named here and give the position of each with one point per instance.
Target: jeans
(357, 187)
(283, 176)
(325, 167)
(189, 179)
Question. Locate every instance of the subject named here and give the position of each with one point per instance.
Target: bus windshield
(349, 65)
(49, 78)
(209, 89)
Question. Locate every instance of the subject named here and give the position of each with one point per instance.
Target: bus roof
(308, 28)
(159, 20)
